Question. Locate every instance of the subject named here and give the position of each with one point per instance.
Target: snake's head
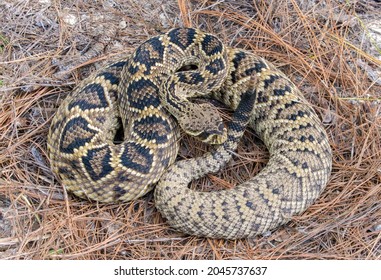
(203, 122)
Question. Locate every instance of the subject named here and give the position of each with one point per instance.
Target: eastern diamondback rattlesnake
(162, 76)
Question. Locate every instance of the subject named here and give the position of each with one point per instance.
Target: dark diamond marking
(149, 54)
(137, 157)
(139, 100)
(71, 132)
(211, 45)
(177, 37)
(216, 66)
(99, 157)
(153, 128)
(85, 104)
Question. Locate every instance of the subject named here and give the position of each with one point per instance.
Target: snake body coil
(142, 89)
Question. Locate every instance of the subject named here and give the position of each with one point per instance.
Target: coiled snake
(157, 82)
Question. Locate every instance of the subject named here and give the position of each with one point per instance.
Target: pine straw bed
(327, 49)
